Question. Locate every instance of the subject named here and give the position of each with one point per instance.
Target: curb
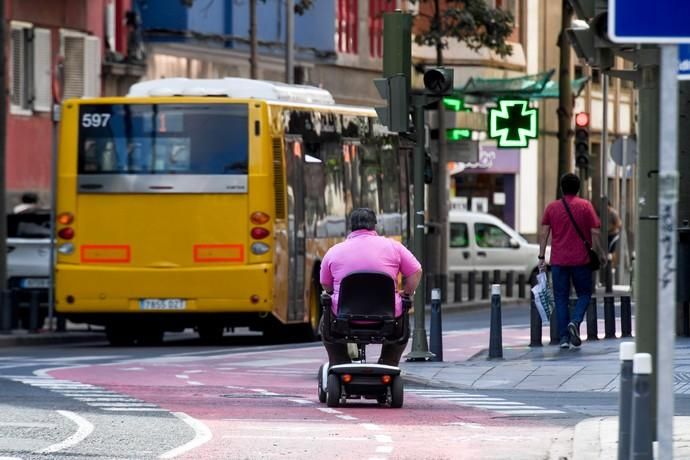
(49, 338)
(434, 383)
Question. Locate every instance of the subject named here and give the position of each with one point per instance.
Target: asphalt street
(253, 399)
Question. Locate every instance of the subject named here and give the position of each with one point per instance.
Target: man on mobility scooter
(362, 306)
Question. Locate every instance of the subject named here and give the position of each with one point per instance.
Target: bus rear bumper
(94, 290)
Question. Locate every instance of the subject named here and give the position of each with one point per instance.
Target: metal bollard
(534, 324)
(609, 318)
(485, 285)
(522, 284)
(495, 332)
(471, 285)
(641, 431)
(457, 288)
(625, 399)
(6, 325)
(510, 284)
(626, 316)
(33, 311)
(443, 285)
(497, 277)
(592, 321)
(553, 329)
(436, 329)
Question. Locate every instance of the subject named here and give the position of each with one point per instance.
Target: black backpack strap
(572, 219)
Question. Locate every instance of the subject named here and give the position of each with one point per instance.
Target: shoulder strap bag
(593, 264)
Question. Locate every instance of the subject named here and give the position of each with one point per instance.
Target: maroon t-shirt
(567, 248)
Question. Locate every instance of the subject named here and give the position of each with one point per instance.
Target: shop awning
(537, 86)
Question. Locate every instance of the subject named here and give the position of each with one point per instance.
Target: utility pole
(289, 41)
(565, 97)
(684, 151)
(604, 179)
(646, 272)
(253, 41)
(3, 156)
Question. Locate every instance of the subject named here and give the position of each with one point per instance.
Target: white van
(482, 242)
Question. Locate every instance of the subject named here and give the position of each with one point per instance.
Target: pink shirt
(365, 250)
(567, 248)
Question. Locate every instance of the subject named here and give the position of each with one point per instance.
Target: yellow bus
(210, 203)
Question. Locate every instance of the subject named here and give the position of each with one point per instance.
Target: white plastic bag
(543, 297)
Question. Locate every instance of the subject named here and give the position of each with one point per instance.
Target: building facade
(57, 49)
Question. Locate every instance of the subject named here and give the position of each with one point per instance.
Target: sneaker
(565, 343)
(574, 330)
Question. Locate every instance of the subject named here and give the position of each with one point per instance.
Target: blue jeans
(581, 277)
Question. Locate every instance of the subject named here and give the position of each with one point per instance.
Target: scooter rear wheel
(397, 392)
(321, 391)
(333, 391)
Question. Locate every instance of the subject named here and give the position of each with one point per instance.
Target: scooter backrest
(367, 293)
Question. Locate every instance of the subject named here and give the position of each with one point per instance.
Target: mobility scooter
(366, 315)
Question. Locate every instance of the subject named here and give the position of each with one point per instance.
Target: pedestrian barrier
(25, 309)
(496, 329)
(436, 329)
(464, 287)
(641, 432)
(591, 319)
(625, 399)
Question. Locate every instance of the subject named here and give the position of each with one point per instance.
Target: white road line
(384, 449)
(233, 387)
(370, 426)
(116, 404)
(134, 409)
(132, 369)
(182, 376)
(193, 371)
(108, 399)
(491, 403)
(202, 435)
(293, 438)
(503, 408)
(328, 410)
(192, 382)
(383, 438)
(94, 394)
(84, 429)
(347, 417)
(425, 390)
(301, 401)
(530, 412)
(11, 458)
(466, 398)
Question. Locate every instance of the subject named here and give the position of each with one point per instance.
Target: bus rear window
(146, 139)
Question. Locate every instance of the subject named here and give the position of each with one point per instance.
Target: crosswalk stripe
(115, 404)
(492, 403)
(134, 409)
(111, 399)
(467, 398)
(504, 408)
(531, 412)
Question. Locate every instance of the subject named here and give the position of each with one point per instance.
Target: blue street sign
(642, 21)
(684, 62)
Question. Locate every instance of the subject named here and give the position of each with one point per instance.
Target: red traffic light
(582, 119)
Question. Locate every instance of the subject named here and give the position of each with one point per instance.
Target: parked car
(482, 242)
(28, 261)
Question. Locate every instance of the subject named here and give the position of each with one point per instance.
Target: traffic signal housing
(589, 36)
(438, 81)
(582, 140)
(396, 114)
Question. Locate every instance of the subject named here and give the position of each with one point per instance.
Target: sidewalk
(75, 333)
(594, 367)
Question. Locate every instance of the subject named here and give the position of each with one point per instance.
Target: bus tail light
(259, 233)
(259, 218)
(66, 233)
(66, 249)
(65, 218)
(260, 248)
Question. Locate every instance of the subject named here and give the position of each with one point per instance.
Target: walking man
(570, 255)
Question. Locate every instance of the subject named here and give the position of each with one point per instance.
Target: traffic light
(589, 36)
(394, 87)
(582, 140)
(456, 104)
(395, 115)
(438, 81)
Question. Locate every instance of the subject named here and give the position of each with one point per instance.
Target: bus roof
(238, 88)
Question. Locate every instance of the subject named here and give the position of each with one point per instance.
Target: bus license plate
(35, 283)
(162, 304)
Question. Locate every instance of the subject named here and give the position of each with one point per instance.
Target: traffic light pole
(647, 198)
(420, 346)
(604, 185)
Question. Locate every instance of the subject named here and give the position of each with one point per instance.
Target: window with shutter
(82, 64)
(42, 75)
(20, 74)
(73, 53)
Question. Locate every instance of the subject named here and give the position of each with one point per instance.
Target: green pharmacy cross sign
(513, 123)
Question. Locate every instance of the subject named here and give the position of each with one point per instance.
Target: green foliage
(470, 21)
